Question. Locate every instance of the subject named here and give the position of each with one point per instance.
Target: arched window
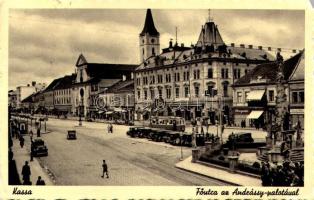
(143, 51)
(153, 51)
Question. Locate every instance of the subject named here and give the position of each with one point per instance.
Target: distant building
(191, 81)
(25, 91)
(48, 95)
(91, 79)
(296, 93)
(118, 100)
(12, 98)
(22, 92)
(254, 96)
(63, 94)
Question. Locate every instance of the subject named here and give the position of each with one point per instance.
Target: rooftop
(269, 71)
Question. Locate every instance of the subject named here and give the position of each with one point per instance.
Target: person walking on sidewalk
(21, 141)
(104, 169)
(26, 173)
(40, 181)
(108, 128)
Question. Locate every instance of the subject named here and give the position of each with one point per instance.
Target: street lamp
(81, 106)
(181, 134)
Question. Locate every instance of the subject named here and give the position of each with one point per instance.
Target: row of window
(186, 76)
(64, 100)
(209, 92)
(63, 92)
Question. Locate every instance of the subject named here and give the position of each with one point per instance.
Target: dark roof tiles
(149, 26)
(269, 71)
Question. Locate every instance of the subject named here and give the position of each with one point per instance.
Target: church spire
(149, 26)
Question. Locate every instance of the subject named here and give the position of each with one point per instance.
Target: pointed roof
(149, 26)
(298, 73)
(209, 35)
(81, 60)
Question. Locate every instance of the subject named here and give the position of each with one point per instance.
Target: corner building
(191, 81)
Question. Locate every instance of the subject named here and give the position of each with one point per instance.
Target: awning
(255, 114)
(117, 109)
(255, 95)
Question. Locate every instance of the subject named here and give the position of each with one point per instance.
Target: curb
(221, 180)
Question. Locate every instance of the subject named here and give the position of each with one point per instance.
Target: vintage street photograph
(156, 97)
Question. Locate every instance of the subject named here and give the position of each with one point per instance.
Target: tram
(167, 122)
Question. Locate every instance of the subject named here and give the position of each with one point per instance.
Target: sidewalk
(231, 178)
(21, 155)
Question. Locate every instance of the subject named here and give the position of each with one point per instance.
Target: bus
(166, 122)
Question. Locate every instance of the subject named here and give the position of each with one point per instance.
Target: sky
(44, 44)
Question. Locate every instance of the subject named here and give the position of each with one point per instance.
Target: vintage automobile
(39, 148)
(134, 131)
(242, 140)
(71, 135)
(199, 137)
(158, 135)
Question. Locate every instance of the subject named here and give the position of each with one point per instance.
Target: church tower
(149, 38)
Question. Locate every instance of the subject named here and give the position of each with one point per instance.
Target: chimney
(33, 83)
(279, 49)
(182, 44)
(269, 48)
(242, 45)
(260, 47)
(250, 46)
(232, 44)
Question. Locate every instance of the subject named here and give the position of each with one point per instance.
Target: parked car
(39, 148)
(134, 131)
(71, 135)
(242, 140)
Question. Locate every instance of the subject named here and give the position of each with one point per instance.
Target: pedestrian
(108, 128)
(104, 169)
(21, 141)
(26, 173)
(40, 181)
(111, 128)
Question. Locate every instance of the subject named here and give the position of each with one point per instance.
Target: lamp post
(181, 134)
(81, 106)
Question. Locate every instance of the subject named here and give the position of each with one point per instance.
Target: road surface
(131, 161)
